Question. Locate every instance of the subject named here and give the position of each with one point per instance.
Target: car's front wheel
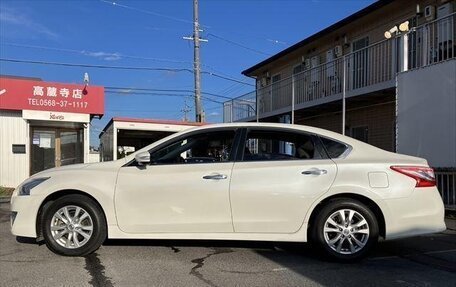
(73, 225)
(346, 229)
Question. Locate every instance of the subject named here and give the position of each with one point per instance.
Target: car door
(185, 188)
(278, 177)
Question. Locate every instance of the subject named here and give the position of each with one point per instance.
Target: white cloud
(103, 55)
(9, 16)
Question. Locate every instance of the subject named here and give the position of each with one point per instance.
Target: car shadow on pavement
(29, 240)
(416, 258)
(412, 261)
(190, 243)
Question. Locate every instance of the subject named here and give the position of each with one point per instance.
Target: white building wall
(14, 168)
(94, 157)
(426, 113)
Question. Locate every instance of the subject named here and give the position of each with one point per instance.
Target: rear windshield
(334, 148)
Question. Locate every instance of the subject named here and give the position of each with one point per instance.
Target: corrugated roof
(156, 121)
(148, 121)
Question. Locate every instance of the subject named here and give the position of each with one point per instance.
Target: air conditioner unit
(314, 61)
(444, 10)
(429, 12)
(329, 55)
(263, 82)
(307, 64)
(315, 73)
(338, 51)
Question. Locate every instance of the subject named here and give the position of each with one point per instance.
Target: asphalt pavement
(419, 261)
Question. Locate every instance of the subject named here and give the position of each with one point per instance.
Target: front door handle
(215, 176)
(315, 171)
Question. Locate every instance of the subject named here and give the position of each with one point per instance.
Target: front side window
(208, 147)
(264, 145)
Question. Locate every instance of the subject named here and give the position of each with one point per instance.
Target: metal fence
(432, 42)
(365, 70)
(240, 108)
(446, 183)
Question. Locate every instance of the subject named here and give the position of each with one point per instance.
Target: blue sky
(149, 33)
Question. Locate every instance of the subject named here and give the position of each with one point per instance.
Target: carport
(122, 136)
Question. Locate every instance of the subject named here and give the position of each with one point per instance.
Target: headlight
(29, 184)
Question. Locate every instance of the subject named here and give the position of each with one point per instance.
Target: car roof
(309, 129)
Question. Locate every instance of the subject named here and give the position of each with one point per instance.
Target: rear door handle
(215, 176)
(315, 171)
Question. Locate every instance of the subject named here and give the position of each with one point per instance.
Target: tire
(82, 234)
(357, 237)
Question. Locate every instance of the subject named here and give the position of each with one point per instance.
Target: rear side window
(265, 145)
(334, 148)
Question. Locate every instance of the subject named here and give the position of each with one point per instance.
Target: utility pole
(196, 63)
(185, 110)
(197, 67)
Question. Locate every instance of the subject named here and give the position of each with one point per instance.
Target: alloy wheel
(71, 226)
(346, 231)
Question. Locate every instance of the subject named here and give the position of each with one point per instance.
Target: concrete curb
(5, 199)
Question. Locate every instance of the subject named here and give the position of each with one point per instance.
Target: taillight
(424, 176)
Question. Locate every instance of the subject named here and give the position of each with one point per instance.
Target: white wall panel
(426, 113)
(14, 168)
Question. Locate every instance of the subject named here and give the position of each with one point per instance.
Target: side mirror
(143, 157)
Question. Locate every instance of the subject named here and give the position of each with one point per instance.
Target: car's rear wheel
(73, 225)
(346, 229)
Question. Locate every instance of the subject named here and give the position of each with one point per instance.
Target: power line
(199, 25)
(96, 54)
(145, 93)
(148, 12)
(227, 78)
(238, 44)
(136, 110)
(110, 54)
(274, 41)
(126, 89)
(185, 110)
(96, 66)
(120, 68)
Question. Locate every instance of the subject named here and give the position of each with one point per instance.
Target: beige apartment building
(385, 75)
(352, 61)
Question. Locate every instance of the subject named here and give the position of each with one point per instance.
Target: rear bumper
(421, 213)
(24, 210)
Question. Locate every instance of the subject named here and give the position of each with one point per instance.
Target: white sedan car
(246, 181)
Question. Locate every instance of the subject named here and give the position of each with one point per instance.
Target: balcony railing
(446, 183)
(369, 69)
(242, 107)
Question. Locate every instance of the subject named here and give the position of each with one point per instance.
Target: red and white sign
(18, 94)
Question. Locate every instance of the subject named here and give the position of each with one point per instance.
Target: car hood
(80, 166)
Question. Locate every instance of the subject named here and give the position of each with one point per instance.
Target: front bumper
(421, 213)
(25, 209)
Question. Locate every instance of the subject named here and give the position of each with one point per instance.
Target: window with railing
(368, 68)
